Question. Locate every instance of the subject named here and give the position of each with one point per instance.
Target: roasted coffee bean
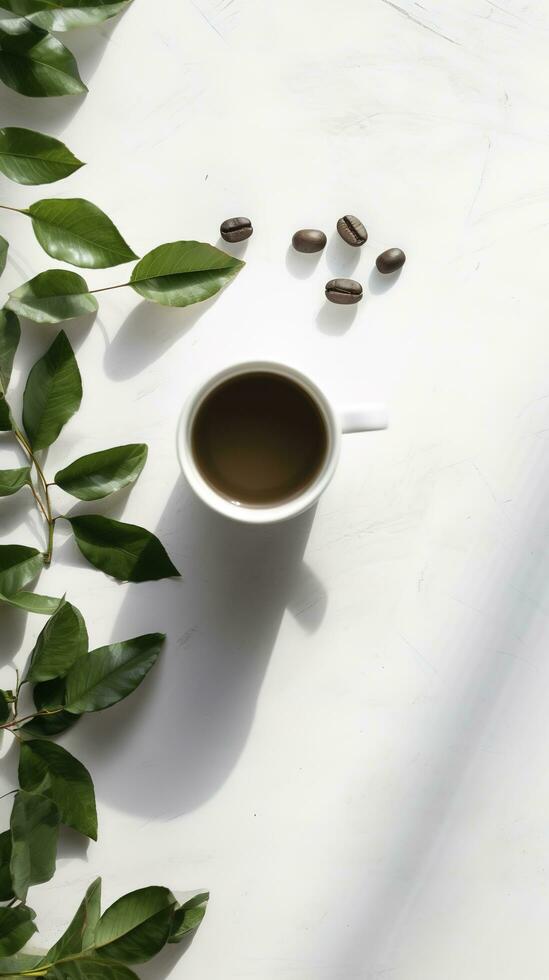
(343, 291)
(236, 229)
(309, 240)
(352, 230)
(391, 260)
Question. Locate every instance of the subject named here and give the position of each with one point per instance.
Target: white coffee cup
(359, 418)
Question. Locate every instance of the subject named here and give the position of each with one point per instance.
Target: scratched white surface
(347, 739)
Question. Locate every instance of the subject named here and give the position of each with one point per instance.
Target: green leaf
(44, 605)
(4, 246)
(53, 393)
(62, 641)
(125, 551)
(137, 926)
(5, 709)
(110, 673)
(47, 768)
(188, 916)
(52, 296)
(18, 565)
(6, 424)
(64, 15)
(16, 928)
(181, 273)
(78, 232)
(90, 968)
(92, 908)
(6, 890)
(80, 934)
(34, 827)
(99, 474)
(13, 480)
(10, 333)
(50, 694)
(34, 63)
(28, 157)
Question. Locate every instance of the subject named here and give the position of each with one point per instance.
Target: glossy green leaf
(125, 551)
(64, 15)
(47, 768)
(44, 605)
(50, 695)
(18, 565)
(62, 641)
(10, 334)
(53, 393)
(182, 273)
(5, 709)
(16, 928)
(4, 246)
(11, 481)
(137, 926)
(100, 474)
(28, 157)
(34, 827)
(78, 232)
(52, 296)
(188, 916)
(90, 968)
(92, 907)
(35, 63)
(80, 934)
(110, 673)
(6, 890)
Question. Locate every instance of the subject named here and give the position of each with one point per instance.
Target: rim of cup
(257, 514)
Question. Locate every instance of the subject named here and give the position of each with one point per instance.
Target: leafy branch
(133, 930)
(66, 680)
(53, 393)
(35, 63)
(55, 789)
(76, 231)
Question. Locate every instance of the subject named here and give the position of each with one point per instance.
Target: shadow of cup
(190, 722)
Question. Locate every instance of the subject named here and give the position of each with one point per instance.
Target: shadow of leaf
(146, 334)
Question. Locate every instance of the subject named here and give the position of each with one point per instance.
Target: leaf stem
(18, 683)
(6, 207)
(43, 504)
(104, 289)
(36, 714)
(38, 501)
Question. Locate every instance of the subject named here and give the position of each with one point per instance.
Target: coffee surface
(259, 439)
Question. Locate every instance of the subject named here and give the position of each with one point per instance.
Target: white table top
(347, 738)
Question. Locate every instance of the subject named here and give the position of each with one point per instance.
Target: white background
(347, 737)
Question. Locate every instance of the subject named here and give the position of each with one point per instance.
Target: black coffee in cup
(259, 439)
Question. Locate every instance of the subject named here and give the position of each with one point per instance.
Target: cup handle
(364, 418)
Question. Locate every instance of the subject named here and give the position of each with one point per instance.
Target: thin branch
(104, 289)
(38, 501)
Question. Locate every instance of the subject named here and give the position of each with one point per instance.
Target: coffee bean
(391, 260)
(236, 229)
(309, 240)
(343, 291)
(352, 230)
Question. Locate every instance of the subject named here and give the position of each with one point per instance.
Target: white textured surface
(347, 740)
